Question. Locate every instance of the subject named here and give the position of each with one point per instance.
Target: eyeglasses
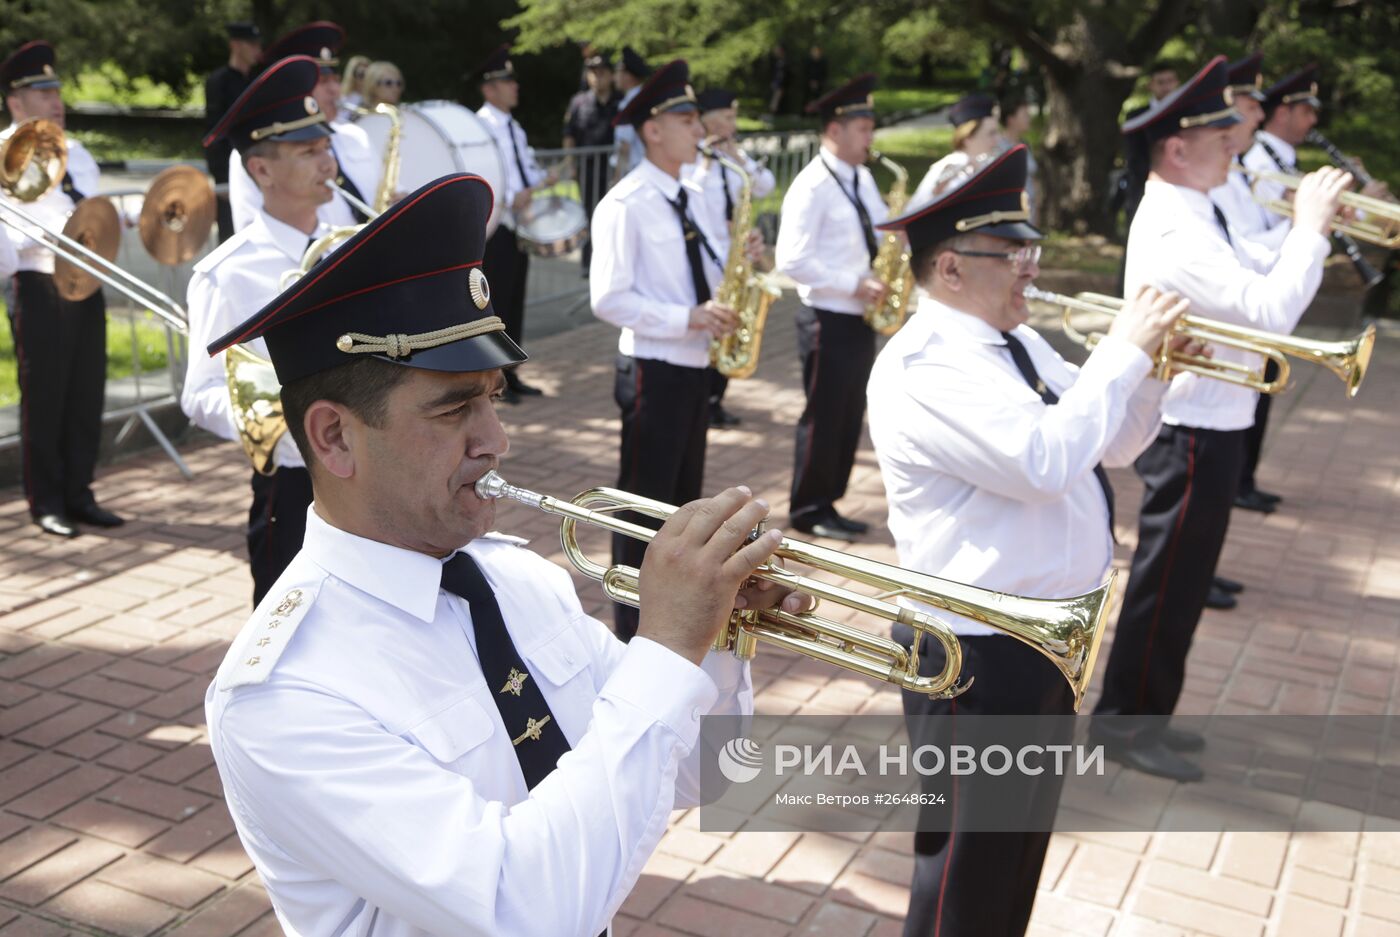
(1021, 259)
(390, 82)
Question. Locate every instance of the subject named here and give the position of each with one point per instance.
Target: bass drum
(440, 137)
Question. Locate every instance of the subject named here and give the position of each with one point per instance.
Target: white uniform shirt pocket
(452, 734)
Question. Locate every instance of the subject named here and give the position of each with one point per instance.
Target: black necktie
(1220, 220)
(539, 742)
(728, 199)
(519, 163)
(866, 228)
(694, 242)
(1024, 364)
(69, 189)
(348, 184)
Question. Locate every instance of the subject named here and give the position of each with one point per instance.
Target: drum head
(552, 225)
(440, 137)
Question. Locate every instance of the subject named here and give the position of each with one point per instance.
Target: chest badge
(515, 683)
(533, 730)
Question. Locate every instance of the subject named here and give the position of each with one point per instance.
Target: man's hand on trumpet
(1318, 197)
(694, 569)
(1149, 317)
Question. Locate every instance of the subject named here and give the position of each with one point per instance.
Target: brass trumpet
(1348, 359)
(1067, 631)
(1380, 227)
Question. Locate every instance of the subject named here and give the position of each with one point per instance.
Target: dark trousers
(980, 883)
(665, 413)
(506, 268)
(1191, 476)
(276, 524)
(718, 385)
(592, 186)
(61, 349)
(225, 218)
(837, 352)
(1254, 436)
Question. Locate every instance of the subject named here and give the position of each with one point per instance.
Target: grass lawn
(150, 340)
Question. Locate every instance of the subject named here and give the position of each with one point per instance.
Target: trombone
(1348, 359)
(1067, 631)
(1380, 227)
(32, 163)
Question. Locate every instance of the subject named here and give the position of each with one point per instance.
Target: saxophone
(389, 176)
(891, 265)
(742, 289)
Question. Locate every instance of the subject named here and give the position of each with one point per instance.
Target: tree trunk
(1082, 140)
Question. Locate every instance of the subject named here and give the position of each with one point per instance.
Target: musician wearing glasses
(359, 168)
(505, 263)
(283, 138)
(827, 243)
(719, 115)
(656, 264)
(992, 450)
(420, 731)
(1182, 242)
(60, 345)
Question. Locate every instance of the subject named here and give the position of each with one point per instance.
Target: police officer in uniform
(360, 167)
(632, 71)
(655, 268)
(61, 346)
(992, 450)
(282, 136)
(589, 122)
(221, 89)
(719, 115)
(419, 731)
(827, 243)
(505, 263)
(1182, 242)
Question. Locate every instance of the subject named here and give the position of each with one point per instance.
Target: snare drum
(441, 137)
(551, 226)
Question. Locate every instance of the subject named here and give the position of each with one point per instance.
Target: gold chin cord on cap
(399, 345)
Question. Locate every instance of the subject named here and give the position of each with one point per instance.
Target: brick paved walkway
(111, 820)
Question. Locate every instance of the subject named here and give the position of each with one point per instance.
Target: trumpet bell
(255, 397)
(33, 160)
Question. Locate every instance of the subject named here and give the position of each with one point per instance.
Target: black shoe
(56, 524)
(821, 525)
(1269, 496)
(1227, 585)
(521, 388)
(721, 418)
(1254, 501)
(1219, 598)
(1157, 759)
(1179, 740)
(846, 523)
(96, 516)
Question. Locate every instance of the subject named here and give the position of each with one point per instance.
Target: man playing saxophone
(827, 243)
(281, 135)
(991, 448)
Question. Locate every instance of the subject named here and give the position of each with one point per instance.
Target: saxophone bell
(891, 264)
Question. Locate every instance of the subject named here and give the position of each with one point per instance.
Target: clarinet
(1370, 276)
(1340, 159)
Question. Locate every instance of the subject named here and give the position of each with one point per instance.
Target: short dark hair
(363, 386)
(922, 262)
(1161, 65)
(1010, 105)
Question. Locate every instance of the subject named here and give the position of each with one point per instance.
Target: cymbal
(179, 211)
(95, 225)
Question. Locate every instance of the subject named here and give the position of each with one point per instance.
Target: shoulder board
(260, 644)
(499, 537)
(219, 254)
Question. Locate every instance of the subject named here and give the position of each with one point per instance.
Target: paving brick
(32, 772)
(111, 692)
(33, 845)
(707, 919)
(746, 894)
(755, 853)
(113, 909)
(1254, 857)
(130, 756)
(1100, 875)
(87, 745)
(195, 835)
(1304, 918)
(33, 710)
(659, 880)
(813, 863)
(161, 800)
(70, 865)
(62, 791)
(25, 925)
(164, 881)
(1227, 892)
(49, 732)
(110, 822)
(835, 920)
(145, 675)
(225, 858)
(181, 764)
(228, 915)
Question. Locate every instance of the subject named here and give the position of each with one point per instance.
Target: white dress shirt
(1258, 158)
(53, 209)
(357, 161)
(230, 283)
(626, 133)
(710, 176)
(1245, 215)
(502, 126)
(374, 785)
(1175, 243)
(988, 485)
(820, 244)
(950, 169)
(639, 277)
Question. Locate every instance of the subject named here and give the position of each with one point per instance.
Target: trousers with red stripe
(1190, 477)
